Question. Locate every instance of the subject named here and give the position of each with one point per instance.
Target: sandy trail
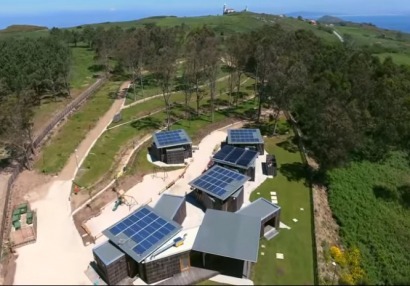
(59, 256)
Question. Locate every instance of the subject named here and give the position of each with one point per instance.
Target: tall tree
(195, 59)
(237, 47)
(163, 64)
(211, 67)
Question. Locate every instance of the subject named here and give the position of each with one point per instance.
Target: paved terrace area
(148, 189)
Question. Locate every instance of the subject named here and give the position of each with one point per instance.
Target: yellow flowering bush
(337, 255)
(346, 279)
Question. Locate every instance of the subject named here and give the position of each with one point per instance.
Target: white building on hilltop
(228, 10)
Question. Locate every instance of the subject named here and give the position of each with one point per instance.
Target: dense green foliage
(29, 69)
(371, 202)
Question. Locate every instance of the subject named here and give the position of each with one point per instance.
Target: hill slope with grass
(371, 203)
(380, 41)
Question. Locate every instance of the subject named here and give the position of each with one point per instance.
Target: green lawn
(110, 144)
(103, 157)
(152, 105)
(400, 59)
(297, 267)
(195, 129)
(81, 77)
(82, 67)
(367, 35)
(60, 147)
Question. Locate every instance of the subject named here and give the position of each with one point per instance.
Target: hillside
(236, 22)
(329, 20)
(381, 42)
(22, 28)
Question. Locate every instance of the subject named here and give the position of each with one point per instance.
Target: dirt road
(59, 256)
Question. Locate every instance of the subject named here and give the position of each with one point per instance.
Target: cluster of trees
(30, 69)
(160, 51)
(349, 104)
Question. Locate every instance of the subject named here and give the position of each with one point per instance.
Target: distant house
(227, 10)
(313, 22)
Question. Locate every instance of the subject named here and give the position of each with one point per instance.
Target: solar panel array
(171, 138)
(219, 182)
(237, 156)
(241, 136)
(145, 228)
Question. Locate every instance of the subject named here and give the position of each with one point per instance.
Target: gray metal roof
(229, 234)
(260, 208)
(244, 136)
(168, 205)
(108, 253)
(171, 138)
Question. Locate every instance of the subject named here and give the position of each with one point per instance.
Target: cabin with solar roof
(220, 188)
(171, 147)
(147, 244)
(246, 138)
(237, 158)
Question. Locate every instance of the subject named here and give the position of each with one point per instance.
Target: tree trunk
(238, 85)
(255, 86)
(197, 97)
(276, 120)
(230, 89)
(212, 90)
(141, 81)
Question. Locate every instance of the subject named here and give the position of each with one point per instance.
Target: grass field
(56, 153)
(81, 78)
(297, 267)
(82, 67)
(195, 129)
(371, 203)
(367, 35)
(400, 59)
(111, 143)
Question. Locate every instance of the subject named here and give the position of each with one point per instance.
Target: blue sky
(63, 12)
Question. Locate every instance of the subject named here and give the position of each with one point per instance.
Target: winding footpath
(59, 257)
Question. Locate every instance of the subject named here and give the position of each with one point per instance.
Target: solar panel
(244, 136)
(235, 156)
(171, 138)
(144, 228)
(219, 182)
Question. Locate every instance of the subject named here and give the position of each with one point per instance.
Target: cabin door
(184, 262)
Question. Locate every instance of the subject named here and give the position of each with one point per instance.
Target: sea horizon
(65, 19)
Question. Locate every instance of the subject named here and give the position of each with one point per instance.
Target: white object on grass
(280, 256)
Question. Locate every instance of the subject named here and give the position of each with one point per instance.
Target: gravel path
(59, 256)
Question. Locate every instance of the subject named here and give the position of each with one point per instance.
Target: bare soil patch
(8, 269)
(30, 186)
(326, 229)
(91, 210)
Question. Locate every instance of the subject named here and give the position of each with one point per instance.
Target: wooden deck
(190, 277)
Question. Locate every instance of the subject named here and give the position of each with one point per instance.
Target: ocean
(394, 22)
